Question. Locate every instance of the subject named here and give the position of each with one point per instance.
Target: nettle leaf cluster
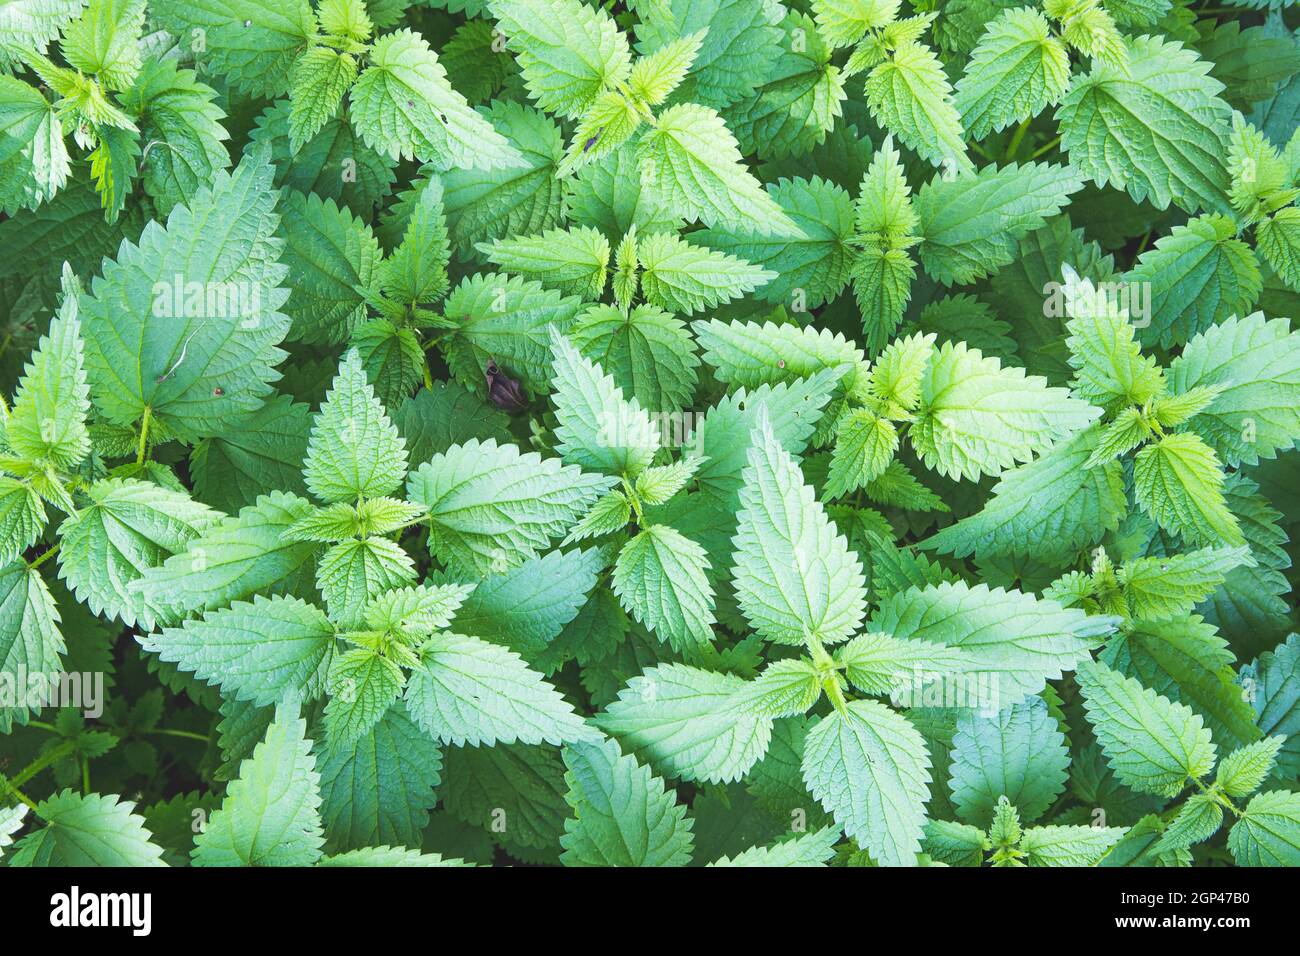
(690, 432)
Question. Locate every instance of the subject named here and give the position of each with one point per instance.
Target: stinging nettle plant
(691, 432)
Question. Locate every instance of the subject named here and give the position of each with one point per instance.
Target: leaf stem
(8, 785)
(48, 553)
(1046, 148)
(183, 734)
(143, 447)
(1016, 139)
(41, 762)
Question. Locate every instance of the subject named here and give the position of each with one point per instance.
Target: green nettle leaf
(271, 813)
(317, 83)
(362, 685)
(598, 429)
(504, 321)
(1153, 745)
(971, 225)
(1012, 642)
(1019, 753)
(1179, 482)
(403, 106)
(648, 352)
(1254, 366)
(34, 162)
(1017, 69)
(795, 578)
(1268, 831)
(1154, 125)
(1068, 846)
(812, 849)
(976, 417)
(1158, 588)
(567, 51)
(818, 264)
(869, 767)
(48, 420)
(686, 722)
(252, 42)
(526, 608)
(491, 507)
(1051, 507)
(262, 453)
(466, 691)
(377, 790)
(236, 558)
(691, 162)
(128, 527)
(661, 579)
(1242, 771)
(11, 819)
(622, 814)
(184, 325)
(352, 572)
(910, 96)
(354, 450)
(87, 830)
(264, 651)
(1200, 275)
(750, 354)
(31, 644)
(180, 127)
(687, 278)
(571, 260)
(22, 518)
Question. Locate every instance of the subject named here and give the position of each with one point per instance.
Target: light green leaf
(354, 450)
(1155, 127)
(240, 556)
(1013, 641)
(971, 225)
(184, 325)
(1255, 364)
(687, 723)
(794, 575)
(87, 830)
(492, 507)
(977, 418)
(466, 691)
(266, 651)
(271, 813)
(869, 767)
(622, 814)
(1016, 70)
(1268, 832)
(128, 527)
(1018, 753)
(1178, 481)
(910, 96)
(660, 578)
(598, 429)
(403, 106)
(811, 849)
(567, 51)
(693, 165)
(1152, 744)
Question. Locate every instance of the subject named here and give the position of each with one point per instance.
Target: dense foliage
(711, 431)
